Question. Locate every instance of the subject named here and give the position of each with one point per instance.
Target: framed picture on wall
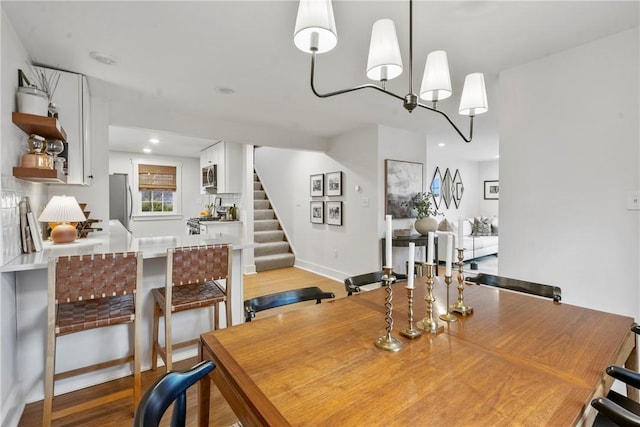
(491, 190)
(403, 180)
(317, 212)
(334, 213)
(316, 188)
(334, 184)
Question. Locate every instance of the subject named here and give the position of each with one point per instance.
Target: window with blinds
(156, 177)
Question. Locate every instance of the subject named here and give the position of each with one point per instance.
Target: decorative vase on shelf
(426, 224)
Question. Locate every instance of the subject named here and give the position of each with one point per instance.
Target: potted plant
(425, 210)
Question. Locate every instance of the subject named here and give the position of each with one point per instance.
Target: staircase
(272, 250)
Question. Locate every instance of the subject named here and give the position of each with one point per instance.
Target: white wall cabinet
(72, 100)
(228, 157)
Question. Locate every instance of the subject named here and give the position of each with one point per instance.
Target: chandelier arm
(341, 91)
(467, 140)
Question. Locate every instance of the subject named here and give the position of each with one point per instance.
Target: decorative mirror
(436, 187)
(457, 188)
(446, 188)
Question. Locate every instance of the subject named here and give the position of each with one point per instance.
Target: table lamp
(59, 212)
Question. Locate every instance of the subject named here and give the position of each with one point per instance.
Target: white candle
(447, 267)
(460, 227)
(388, 242)
(412, 247)
(430, 248)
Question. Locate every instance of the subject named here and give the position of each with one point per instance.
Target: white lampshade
(436, 82)
(315, 26)
(474, 96)
(62, 209)
(385, 62)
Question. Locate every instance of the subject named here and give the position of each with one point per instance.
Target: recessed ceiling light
(103, 58)
(441, 144)
(146, 150)
(154, 140)
(225, 90)
(498, 156)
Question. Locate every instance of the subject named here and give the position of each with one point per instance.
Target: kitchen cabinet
(226, 228)
(228, 157)
(72, 100)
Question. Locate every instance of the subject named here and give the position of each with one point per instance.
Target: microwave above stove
(210, 178)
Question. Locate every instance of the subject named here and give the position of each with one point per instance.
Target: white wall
(355, 247)
(14, 57)
(569, 152)
(334, 251)
(192, 202)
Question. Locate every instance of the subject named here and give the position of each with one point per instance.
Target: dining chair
(193, 280)
(547, 291)
(169, 388)
(356, 283)
(266, 302)
(87, 292)
(617, 409)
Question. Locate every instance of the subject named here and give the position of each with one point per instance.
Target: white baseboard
(13, 407)
(338, 276)
(249, 269)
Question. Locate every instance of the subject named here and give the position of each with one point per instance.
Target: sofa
(480, 237)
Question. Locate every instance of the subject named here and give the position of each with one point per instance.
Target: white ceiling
(181, 53)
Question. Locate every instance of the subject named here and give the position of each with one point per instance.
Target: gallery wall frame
(334, 183)
(316, 212)
(436, 187)
(316, 185)
(491, 190)
(457, 189)
(402, 181)
(334, 213)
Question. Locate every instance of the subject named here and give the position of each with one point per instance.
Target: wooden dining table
(516, 360)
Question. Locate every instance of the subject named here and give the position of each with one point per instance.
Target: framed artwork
(402, 181)
(334, 213)
(457, 189)
(436, 187)
(316, 188)
(317, 212)
(491, 190)
(334, 184)
(447, 180)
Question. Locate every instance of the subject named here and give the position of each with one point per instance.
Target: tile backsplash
(12, 191)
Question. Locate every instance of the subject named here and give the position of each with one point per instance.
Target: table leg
(204, 394)
(632, 363)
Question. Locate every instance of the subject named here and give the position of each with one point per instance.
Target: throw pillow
(481, 226)
(446, 225)
(494, 226)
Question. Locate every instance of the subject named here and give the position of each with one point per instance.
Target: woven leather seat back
(198, 264)
(83, 277)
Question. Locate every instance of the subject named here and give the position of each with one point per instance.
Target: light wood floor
(120, 413)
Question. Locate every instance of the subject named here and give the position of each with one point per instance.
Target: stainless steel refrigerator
(120, 198)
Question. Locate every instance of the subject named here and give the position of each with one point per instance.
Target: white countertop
(118, 240)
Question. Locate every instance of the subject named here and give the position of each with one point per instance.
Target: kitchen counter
(120, 240)
(30, 322)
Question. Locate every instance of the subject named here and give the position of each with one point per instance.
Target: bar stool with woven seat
(193, 281)
(88, 292)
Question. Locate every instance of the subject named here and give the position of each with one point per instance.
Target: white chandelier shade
(436, 82)
(315, 29)
(384, 62)
(474, 96)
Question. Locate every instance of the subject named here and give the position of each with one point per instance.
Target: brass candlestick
(410, 332)
(387, 342)
(460, 306)
(430, 324)
(448, 317)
